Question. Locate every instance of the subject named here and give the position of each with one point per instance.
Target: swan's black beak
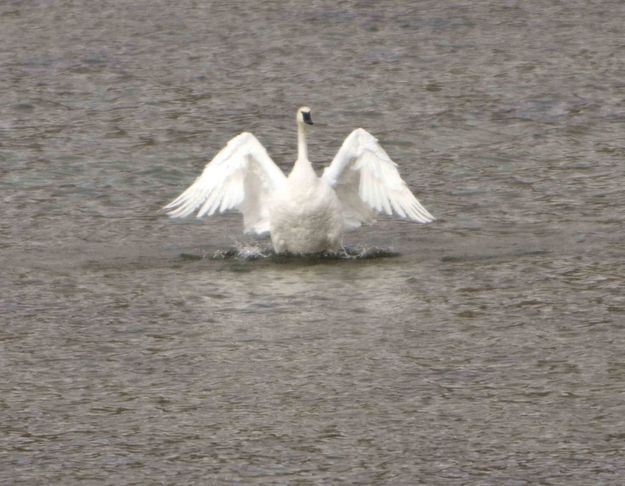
(306, 117)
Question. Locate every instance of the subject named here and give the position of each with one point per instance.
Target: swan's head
(303, 115)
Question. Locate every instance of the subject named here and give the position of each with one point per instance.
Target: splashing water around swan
(302, 213)
(247, 252)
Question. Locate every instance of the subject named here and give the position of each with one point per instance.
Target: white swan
(303, 213)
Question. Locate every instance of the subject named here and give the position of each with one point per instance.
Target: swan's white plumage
(241, 176)
(304, 213)
(366, 180)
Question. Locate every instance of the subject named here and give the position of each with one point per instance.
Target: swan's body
(306, 216)
(303, 213)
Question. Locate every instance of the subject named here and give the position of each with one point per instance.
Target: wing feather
(241, 176)
(366, 180)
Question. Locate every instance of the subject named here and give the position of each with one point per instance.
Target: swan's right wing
(366, 181)
(242, 176)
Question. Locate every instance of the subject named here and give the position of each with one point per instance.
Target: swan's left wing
(242, 176)
(366, 181)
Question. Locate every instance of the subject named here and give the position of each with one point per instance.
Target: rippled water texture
(486, 348)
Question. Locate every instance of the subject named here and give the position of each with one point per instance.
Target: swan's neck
(302, 168)
(302, 146)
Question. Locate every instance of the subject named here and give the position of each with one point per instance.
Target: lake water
(485, 348)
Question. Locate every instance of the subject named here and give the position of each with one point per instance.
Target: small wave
(257, 251)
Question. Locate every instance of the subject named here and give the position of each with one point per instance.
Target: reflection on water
(485, 348)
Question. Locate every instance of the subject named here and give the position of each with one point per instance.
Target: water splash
(244, 251)
(255, 251)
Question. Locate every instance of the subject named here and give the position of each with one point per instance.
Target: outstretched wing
(366, 181)
(241, 176)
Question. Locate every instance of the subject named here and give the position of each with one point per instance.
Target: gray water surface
(488, 351)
